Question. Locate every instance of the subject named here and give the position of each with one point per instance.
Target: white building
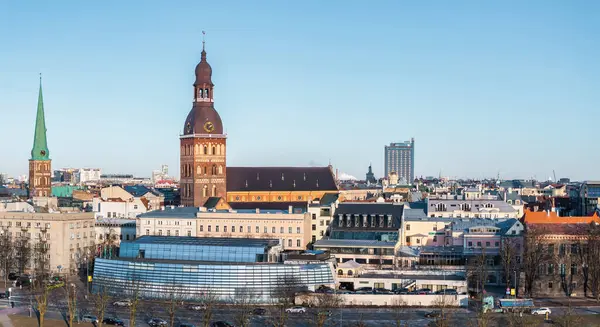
(118, 229)
(84, 175)
(115, 202)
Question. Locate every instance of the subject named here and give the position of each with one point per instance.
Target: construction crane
(554, 173)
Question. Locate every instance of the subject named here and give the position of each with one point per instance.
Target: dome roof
(203, 71)
(203, 119)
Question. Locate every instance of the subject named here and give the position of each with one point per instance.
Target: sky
(485, 88)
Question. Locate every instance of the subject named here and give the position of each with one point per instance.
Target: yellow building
(279, 184)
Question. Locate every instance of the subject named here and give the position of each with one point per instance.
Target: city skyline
(84, 92)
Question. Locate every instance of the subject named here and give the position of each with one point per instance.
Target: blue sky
(507, 87)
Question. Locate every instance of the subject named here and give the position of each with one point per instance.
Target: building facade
(193, 268)
(400, 158)
(40, 165)
(203, 144)
(69, 237)
(290, 228)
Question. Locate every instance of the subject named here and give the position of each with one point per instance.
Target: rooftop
(172, 212)
(551, 217)
(244, 179)
(206, 241)
(354, 243)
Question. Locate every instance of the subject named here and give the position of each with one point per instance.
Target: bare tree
(477, 271)
(588, 253)
(173, 301)
(22, 253)
(399, 311)
(284, 296)
(40, 288)
(509, 250)
(6, 254)
(325, 303)
(243, 300)
(534, 256)
(40, 291)
(443, 303)
(208, 301)
(70, 292)
(100, 300)
(134, 297)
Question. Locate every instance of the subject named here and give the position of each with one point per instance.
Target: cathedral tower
(40, 164)
(202, 144)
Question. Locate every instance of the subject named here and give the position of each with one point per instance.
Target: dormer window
(356, 220)
(365, 222)
(341, 220)
(465, 207)
(380, 221)
(440, 207)
(372, 221)
(389, 221)
(349, 221)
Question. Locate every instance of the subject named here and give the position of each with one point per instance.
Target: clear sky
(484, 87)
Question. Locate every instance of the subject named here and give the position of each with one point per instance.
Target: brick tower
(40, 167)
(203, 144)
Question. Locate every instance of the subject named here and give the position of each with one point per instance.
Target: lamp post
(87, 277)
(515, 271)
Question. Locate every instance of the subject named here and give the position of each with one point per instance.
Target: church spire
(40, 146)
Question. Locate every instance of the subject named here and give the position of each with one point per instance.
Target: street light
(515, 282)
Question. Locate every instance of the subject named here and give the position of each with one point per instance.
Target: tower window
(214, 190)
(214, 150)
(206, 93)
(205, 149)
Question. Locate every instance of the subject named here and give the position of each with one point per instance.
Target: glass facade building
(190, 267)
(400, 158)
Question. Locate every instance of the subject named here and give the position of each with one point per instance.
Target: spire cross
(203, 39)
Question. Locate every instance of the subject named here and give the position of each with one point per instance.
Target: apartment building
(460, 207)
(69, 237)
(291, 227)
(321, 214)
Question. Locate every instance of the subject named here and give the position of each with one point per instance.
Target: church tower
(202, 144)
(40, 164)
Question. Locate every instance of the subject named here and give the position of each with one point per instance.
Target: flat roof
(354, 243)
(206, 241)
(415, 277)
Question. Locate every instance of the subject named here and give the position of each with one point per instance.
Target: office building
(400, 158)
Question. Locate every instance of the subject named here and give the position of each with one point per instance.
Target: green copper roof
(40, 146)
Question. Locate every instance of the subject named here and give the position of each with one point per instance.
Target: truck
(511, 305)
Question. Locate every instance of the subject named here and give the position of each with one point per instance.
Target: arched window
(222, 146)
(204, 170)
(214, 150)
(214, 170)
(206, 93)
(290, 242)
(200, 95)
(204, 190)
(214, 191)
(220, 170)
(205, 149)
(350, 272)
(198, 170)
(340, 272)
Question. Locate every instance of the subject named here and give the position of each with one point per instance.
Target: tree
(284, 296)
(22, 253)
(70, 292)
(243, 301)
(325, 303)
(208, 300)
(509, 250)
(41, 271)
(40, 291)
(134, 297)
(100, 300)
(7, 254)
(477, 271)
(399, 307)
(534, 256)
(172, 302)
(589, 252)
(443, 302)
(569, 318)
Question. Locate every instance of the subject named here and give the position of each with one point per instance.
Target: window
(418, 241)
(258, 198)
(217, 228)
(562, 249)
(321, 233)
(127, 237)
(497, 244)
(201, 228)
(209, 228)
(434, 228)
(265, 229)
(147, 232)
(407, 227)
(298, 242)
(176, 233)
(340, 272)
(314, 216)
(551, 249)
(273, 230)
(177, 223)
(314, 227)
(289, 230)
(168, 233)
(290, 242)
(135, 206)
(549, 284)
(470, 243)
(160, 232)
(434, 238)
(573, 269)
(314, 238)
(479, 244)
(550, 269)
(281, 230)
(487, 244)
(297, 230)
(189, 233)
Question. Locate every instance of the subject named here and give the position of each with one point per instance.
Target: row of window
(26, 224)
(249, 229)
(168, 232)
(216, 149)
(168, 222)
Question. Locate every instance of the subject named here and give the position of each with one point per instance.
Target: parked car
(221, 324)
(541, 311)
(89, 318)
(185, 324)
(113, 321)
(448, 291)
(401, 291)
(327, 313)
(122, 303)
(157, 322)
(296, 309)
(259, 311)
(382, 291)
(363, 290)
(432, 314)
(197, 307)
(424, 291)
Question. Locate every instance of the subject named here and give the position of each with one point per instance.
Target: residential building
(85, 175)
(589, 193)
(364, 232)
(115, 229)
(192, 267)
(291, 228)
(400, 158)
(70, 237)
(116, 202)
(459, 207)
(563, 238)
(321, 215)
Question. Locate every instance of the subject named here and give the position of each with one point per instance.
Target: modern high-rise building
(400, 158)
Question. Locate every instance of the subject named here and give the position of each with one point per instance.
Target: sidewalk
(564, 301)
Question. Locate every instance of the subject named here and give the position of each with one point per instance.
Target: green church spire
(40, 146)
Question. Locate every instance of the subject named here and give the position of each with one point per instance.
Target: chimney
(202, 209)
(290, 209)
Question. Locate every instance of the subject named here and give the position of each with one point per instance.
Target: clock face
(188, 128)
(43, 153)
(209, 126)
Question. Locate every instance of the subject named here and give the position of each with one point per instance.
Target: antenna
(203, 39)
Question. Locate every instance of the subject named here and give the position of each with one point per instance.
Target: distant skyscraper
(400, 158)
